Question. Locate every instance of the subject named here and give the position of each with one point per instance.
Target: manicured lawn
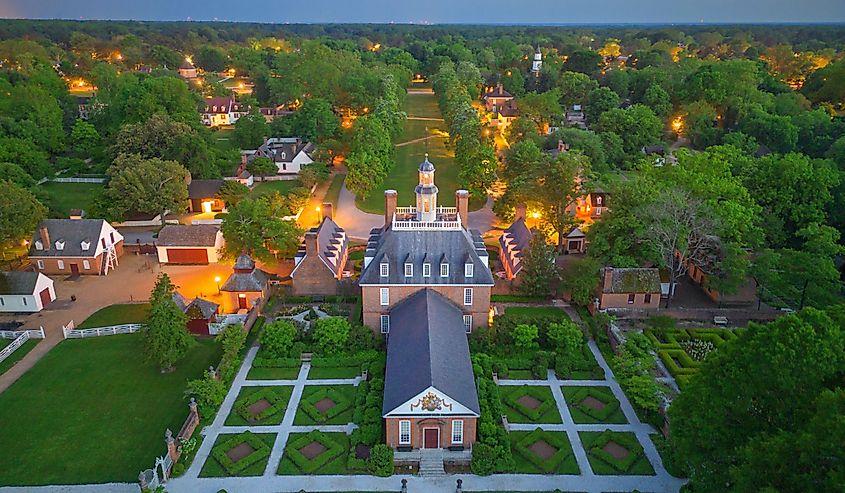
(536, 311)
(515, 374)
(321, 372)
(249, 396)
(333, 193)
(331, 461)
(62, 197)
(214, 469)
(404, 176)
(94, 411)
(635, 463)
(18, 355)
(273, 373)
(130, 313)
(527, 462)
(268, 187)
(342, 396)
(593, 405)
(529, 404)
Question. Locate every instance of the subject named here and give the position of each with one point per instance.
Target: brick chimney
(607, 277)
(389, 207)
(45, 237)
(519, 213)
(328, 210)
(462, 204)
(243, 161)
(311, 243)
(499, 87)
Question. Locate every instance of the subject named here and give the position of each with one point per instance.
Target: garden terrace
(528, 404)
(242, 454)
(326, 405)
(615, 453)
(682, 351)
(259, 406)
(315, 452)
(543, 452)
(593, 405)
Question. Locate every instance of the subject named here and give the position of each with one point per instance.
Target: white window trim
(468, 270)
(86, 264)
(426, 270)
(409, 270)
(468, 323)
(384, 269)
(467, 296)
(444, 270)
(458, 431)
(384, 323)
(405, 423)
(384, 296)
(61, 264)
(40, 265)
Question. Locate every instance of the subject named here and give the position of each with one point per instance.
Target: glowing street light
(535, 215)
(217, 280)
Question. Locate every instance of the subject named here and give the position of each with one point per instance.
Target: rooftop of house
(245, 278)
(206, 308)
(281, 149)
(186, 65)
(631, 280)
(16, 282)
(204, 235)
(428, 347)
(332, 241)
(498, 92)
(435, 247)
(67, 237)
(204, 189)
(221, 105)
(514, 241)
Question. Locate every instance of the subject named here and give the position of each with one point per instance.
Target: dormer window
(85, 245)
(444, 270)
(426, 270)
(39, 245)
(284, 155)
(384, 269)
(409, 270)
(468, 269)
(60, 244)
(598, 200)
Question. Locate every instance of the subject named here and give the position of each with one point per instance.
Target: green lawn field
(62, 197)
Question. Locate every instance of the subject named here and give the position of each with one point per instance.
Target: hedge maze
(326, 405)
(244, 454)
(682, 351)
(260, 406)
(315, 452)
(544, 452)
(613, 453)
(529, 404)
(593, 405)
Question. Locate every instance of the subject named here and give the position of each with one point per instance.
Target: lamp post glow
(217, 280)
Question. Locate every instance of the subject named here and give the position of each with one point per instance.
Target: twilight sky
(436, 11)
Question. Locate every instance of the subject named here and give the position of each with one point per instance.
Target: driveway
(356, 222)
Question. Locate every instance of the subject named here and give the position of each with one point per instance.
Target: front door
(241, 301)
(74, 270)
(431, 438)
(45, 297)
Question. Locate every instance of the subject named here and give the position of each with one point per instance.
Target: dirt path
(416, 140)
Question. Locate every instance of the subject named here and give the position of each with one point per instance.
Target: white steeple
(537, 64)
(426, 192)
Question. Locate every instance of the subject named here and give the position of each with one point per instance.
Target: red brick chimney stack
(311, 243)
(389, 206)
(462, 204)
(45, 237)
(519, 213)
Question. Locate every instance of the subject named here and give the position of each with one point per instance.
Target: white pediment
(431, 402)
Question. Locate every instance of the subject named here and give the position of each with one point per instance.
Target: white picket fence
(24, 336)
(14, 334)
(71, 333)
(79, 180)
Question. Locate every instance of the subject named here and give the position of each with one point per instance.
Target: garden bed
(315, 452)
(259, 406)
(683, 351)
(529, 404)
(615, 453)
(589, 405)
(543, 452)
(242, 454)
(326, 405)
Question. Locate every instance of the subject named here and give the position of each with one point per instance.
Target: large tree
(315, 120)
(638, 126)
(751, 392)
(150, 186)
(20, 213)
(251, 130)
(165, 333)
(255, 227)
(539, 275)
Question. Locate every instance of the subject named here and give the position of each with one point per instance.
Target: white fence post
(111, 330)
(8, 350)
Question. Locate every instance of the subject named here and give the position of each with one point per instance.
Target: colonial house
(425, 246)
(289, 154)
(575, 117)
(575, 241)
(200, 313)
(25, 291)
(496, 97)
(514, 243)
(504, 115)
(591, 206)
(629, 288)
(204, 196)
(189, 244)
(321, 260)
(244, 287)
(430, 400)
(187, 70)
(75, 246)
(707, 269)
(270, 113)
(222, 111)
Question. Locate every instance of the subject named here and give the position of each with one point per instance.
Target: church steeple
(426, 192)
(537, 64)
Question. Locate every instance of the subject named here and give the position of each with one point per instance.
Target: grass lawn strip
(276, 397)
(603, 462)
(17, 355)
(310, 466)
(582, 412)
(268, 187)
(326, 372)
(96, 406)
(537, 311)
(551, 464)
(518, 412)
(258, 456)
(129, 313)
(342, 403)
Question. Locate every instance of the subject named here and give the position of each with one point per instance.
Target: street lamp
(217, 280)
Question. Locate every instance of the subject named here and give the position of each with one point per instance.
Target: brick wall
(620, 300)
(480, 308)
(444, 424)
(51, 265)
(313, 277)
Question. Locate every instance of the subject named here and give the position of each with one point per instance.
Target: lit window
(426, 270)
(468, 323)
(86, 264)
(468, 270)
(385, 269)
(598, 200)
(467, 296)
(426, 207)
(457, 431)
(444, 270)
(404, 432)
(61, 264)
(40, 265)
(384, 296)
(631, 298)
(384, 323)
(409, 270)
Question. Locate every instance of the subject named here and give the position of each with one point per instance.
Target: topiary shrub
(380, 462)
(483, 459)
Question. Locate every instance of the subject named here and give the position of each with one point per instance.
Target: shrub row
(627, 441)
(492, 452)
(546, 465)
(277, 403)
(688, 365)
(368, 403)
(262, 451)
(308, 466)
(260, 362)
(361, 359)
